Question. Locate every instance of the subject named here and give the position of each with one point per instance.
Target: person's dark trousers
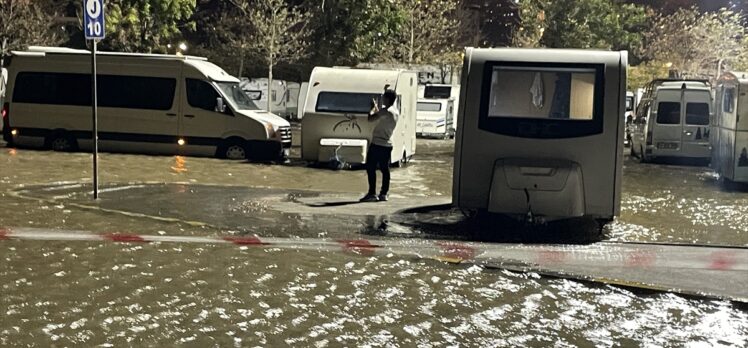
(378, 156)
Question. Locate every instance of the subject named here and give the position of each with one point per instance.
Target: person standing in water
(380, 151)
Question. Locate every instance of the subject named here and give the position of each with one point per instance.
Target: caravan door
(666, 135)
(696, 132)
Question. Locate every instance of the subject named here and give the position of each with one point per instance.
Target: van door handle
(171, 114)
(190, 116)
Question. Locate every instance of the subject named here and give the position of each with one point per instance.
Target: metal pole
(95, 131)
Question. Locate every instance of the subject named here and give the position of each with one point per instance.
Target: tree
(601, 24)
(146, 25)
(278, 34)
(24, 23)
(427, 31)
(695, 43)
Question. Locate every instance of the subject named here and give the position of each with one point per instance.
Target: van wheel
(61, 142)
(233, 150)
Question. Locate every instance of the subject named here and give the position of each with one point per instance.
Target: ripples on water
(165, 294)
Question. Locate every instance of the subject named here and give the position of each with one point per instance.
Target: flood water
(160, 294)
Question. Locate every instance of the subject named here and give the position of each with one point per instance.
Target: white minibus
(730, 128)
(156, 104)
(673, 121)
(541, 133)
(335, 126)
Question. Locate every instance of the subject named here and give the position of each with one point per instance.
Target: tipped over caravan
(334, 126)
(540, 133)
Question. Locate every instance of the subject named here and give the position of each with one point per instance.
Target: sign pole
(94, 30)
(95, 131)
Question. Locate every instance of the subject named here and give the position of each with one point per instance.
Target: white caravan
(540, 133)
(303, 90)
(335, 125)
(257, 90)
(292, 100)
(437, 110)
(159, 104)
(673, 121)
(730, 128)
(435, 118)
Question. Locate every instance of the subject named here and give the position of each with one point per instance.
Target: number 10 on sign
(94, 19)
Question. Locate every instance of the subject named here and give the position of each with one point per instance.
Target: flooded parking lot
(91, 293)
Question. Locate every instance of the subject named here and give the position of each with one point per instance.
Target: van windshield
(236, 96)
(344, 102)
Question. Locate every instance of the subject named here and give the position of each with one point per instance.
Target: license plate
(667, 146)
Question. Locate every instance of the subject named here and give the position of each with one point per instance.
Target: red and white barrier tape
(602, 254)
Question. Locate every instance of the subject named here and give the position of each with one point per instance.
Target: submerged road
(112, 289)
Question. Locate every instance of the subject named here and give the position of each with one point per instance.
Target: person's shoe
(369, 198)
(383, 197)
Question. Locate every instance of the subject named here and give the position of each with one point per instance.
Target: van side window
(668, 113)
(115, 91)
(697, 114)
(201, 95)
(728, 102)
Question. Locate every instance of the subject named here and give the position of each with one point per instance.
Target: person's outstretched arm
(374, 112)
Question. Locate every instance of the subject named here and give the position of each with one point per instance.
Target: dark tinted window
(201, 94)
(668, 113)
(697, 114)
(132, 92)
(437, 92)
(345, 102)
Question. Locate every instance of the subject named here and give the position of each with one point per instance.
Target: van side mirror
(220, 106)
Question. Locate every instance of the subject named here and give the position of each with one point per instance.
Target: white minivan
(673, 121)
(155, 104)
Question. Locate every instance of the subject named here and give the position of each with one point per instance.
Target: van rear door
(696, 131)
(666, 133)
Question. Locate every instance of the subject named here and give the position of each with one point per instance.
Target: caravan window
(130, 92)
(345, 102)
(697, 114)
(429, 107)
(542, 100)
(668, 113)
(566, 94)
(728, 101)
(437, 92)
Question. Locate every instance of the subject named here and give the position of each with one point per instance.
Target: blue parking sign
(93, 25)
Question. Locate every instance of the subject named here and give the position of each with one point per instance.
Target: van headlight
(270, 130)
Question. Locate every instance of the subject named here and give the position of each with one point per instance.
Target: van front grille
(285, 135)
